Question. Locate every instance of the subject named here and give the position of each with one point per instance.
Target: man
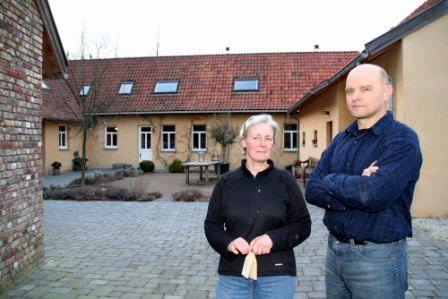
(365, 181)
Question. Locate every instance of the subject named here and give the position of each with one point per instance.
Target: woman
(257, 209)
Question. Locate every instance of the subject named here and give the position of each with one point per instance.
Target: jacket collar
(261, 173)
(379, 128)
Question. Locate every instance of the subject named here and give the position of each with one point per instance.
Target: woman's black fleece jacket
(246, 206)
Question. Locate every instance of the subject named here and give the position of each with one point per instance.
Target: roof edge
(53, 34)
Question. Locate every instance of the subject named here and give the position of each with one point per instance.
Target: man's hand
(239, 245)
(371, 169)
(261, 245)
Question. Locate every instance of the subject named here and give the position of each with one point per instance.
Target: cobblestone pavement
(158, 250)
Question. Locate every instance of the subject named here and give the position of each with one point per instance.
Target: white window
(199, 138)
(62, 137)
(246, 84)
(126, 87)
(290, 137)
(168, 138)
(166, 86)
(84, 90)
(111, 137)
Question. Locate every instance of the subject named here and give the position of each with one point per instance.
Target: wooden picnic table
(202, 165)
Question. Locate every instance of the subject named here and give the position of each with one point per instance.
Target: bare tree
(85, 80)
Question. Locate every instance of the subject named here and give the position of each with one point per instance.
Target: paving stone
(158, 249)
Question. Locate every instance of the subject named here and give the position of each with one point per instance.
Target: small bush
(98, 193)
(189, 195)
(176, 166)
(147, 166)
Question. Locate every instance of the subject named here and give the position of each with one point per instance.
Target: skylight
(126, 87)
(165, 86)
(246, 84)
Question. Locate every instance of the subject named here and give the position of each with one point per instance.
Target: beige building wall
(425, 86)
(52, 152)
(316, 116)
(127, 150)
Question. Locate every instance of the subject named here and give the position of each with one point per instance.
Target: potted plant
(224, 134)
(56, 167)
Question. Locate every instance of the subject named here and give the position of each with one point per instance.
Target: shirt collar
(378, 128)
(264, 172)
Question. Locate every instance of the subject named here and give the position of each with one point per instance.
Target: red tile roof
(427, 4)
(58, 101)
(206, 81)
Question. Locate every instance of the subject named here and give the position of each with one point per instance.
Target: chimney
(227, 50)
(316, 47)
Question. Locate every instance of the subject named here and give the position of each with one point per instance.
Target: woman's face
(259, 142)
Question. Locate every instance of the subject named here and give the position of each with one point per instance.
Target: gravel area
(437, 227)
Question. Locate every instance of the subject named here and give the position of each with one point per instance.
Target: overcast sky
(181, 27)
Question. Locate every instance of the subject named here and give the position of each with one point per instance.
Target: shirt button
(328, 206)
(348, 164)
(354, 142)
(258, 211)
(258, 190)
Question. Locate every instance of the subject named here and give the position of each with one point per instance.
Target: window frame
(65, 136)
(154, 92)
(127, 93)
(291, 138)
(246, 90)
(168, 133)
(193, 132)
(84, 85)
(315, 140)
(106, 146)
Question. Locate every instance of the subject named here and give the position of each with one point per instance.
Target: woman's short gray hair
(255, 119)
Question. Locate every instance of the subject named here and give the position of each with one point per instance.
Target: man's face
(367, 93)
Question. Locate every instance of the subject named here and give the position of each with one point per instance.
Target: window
(126, 87)
(84, 90)
(303, 138)
(111, 137)
(166, 86)
(45, 85)
(247, 84)
(168, 138)
(199, 136)
(315, 138)
(290, 137)
(62, 137)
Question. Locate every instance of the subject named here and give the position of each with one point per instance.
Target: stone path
(158, 250)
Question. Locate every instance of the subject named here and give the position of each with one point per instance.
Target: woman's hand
(261, 245)
(239, 245)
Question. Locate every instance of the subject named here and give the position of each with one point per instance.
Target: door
(329, 132)
(145, 150)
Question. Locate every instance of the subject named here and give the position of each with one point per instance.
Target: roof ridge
(213, 55)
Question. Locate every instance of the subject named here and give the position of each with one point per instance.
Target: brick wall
(21, 205)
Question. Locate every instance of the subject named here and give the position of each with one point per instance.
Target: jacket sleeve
(316, 192)
(298, 225)
(398, 165)
(214, 223)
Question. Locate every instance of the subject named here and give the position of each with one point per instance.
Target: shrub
(98, 193)
(176, 166)
(147, 166)
(189, 195)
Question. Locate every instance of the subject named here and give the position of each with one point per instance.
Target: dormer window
(245, 84)
(166, 86)
(84, 90)
(45, 86)
(126, 87)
